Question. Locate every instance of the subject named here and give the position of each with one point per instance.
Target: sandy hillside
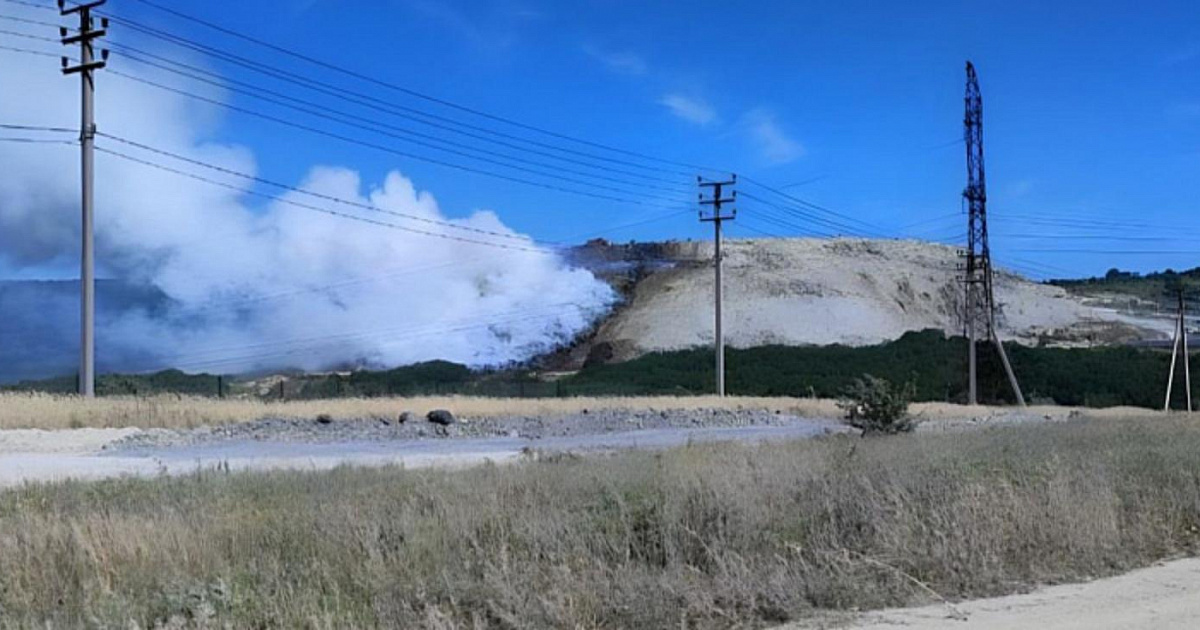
(848, 291)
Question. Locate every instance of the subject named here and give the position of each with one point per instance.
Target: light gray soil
(599, 422)
(311, 444)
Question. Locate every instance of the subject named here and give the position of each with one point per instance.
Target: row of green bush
(933, 365)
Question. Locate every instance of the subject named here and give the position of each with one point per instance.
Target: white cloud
(690, 109)
(774, 145)
(622, 62)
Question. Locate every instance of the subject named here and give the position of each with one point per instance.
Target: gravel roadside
(381, 429)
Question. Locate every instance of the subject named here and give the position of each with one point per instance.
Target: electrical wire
(38, 128)
(31, 4)
(378, 147)
(401, 133)
(30, 52)
(282, 74)
(21, 20)
(297, 204)
(309, 193)
(35, 141)
(413, 93)
(813, 207)
(39, 38)
(374, 104)
(808, 216)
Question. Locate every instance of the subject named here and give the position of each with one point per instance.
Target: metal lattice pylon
(981, 304)
(980, 313)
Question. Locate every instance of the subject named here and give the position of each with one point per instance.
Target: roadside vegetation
(877, 407)
(708, 536)
(935, 365)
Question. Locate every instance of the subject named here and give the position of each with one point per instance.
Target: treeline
(1159, 287)
(164, 382)
(933, 363)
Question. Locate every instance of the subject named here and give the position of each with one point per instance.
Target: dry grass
(698, 537)
(44, 411)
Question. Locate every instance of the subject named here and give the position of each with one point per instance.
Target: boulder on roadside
(324, 419)
(441, 417)
(406, 417)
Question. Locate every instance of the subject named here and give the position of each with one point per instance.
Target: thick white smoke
(279, 286)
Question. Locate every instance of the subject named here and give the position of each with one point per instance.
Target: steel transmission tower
(980, 316)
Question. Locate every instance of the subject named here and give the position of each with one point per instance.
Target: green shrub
(875, 406)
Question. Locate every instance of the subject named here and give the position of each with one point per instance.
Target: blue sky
(1092, 109)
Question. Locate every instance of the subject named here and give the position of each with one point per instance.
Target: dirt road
(1164, 597)
(31, 456)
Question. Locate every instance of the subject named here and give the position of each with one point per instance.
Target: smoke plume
(251, 286)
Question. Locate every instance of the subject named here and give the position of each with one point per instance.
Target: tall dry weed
(706, 536)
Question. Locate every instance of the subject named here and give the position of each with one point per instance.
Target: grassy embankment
(711, 537)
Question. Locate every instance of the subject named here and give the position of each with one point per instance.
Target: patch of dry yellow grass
(704, 537)
(44, 411)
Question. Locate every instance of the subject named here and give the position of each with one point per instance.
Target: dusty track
(1160, 597)
(32, 456)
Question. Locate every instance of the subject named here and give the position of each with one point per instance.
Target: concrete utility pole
(715, 216)
(87, 136)
(1180, 339)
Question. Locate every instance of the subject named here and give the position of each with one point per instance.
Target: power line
(380, 106)
(766, 216)
(743, 226)
(31, 4)
(940, 218)
(37, 128)
(309, 83)
(410, 92)
(1095, 237)
(30, 52)
(794, 200)
(309, 193)
(1118, 252)
(335, 213)
(801, 214)
(39, 38)
(13, 18)
(378, 147)
(16, 140)
(373, 126)
(626, 226)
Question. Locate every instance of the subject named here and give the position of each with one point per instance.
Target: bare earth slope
(847, 291)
